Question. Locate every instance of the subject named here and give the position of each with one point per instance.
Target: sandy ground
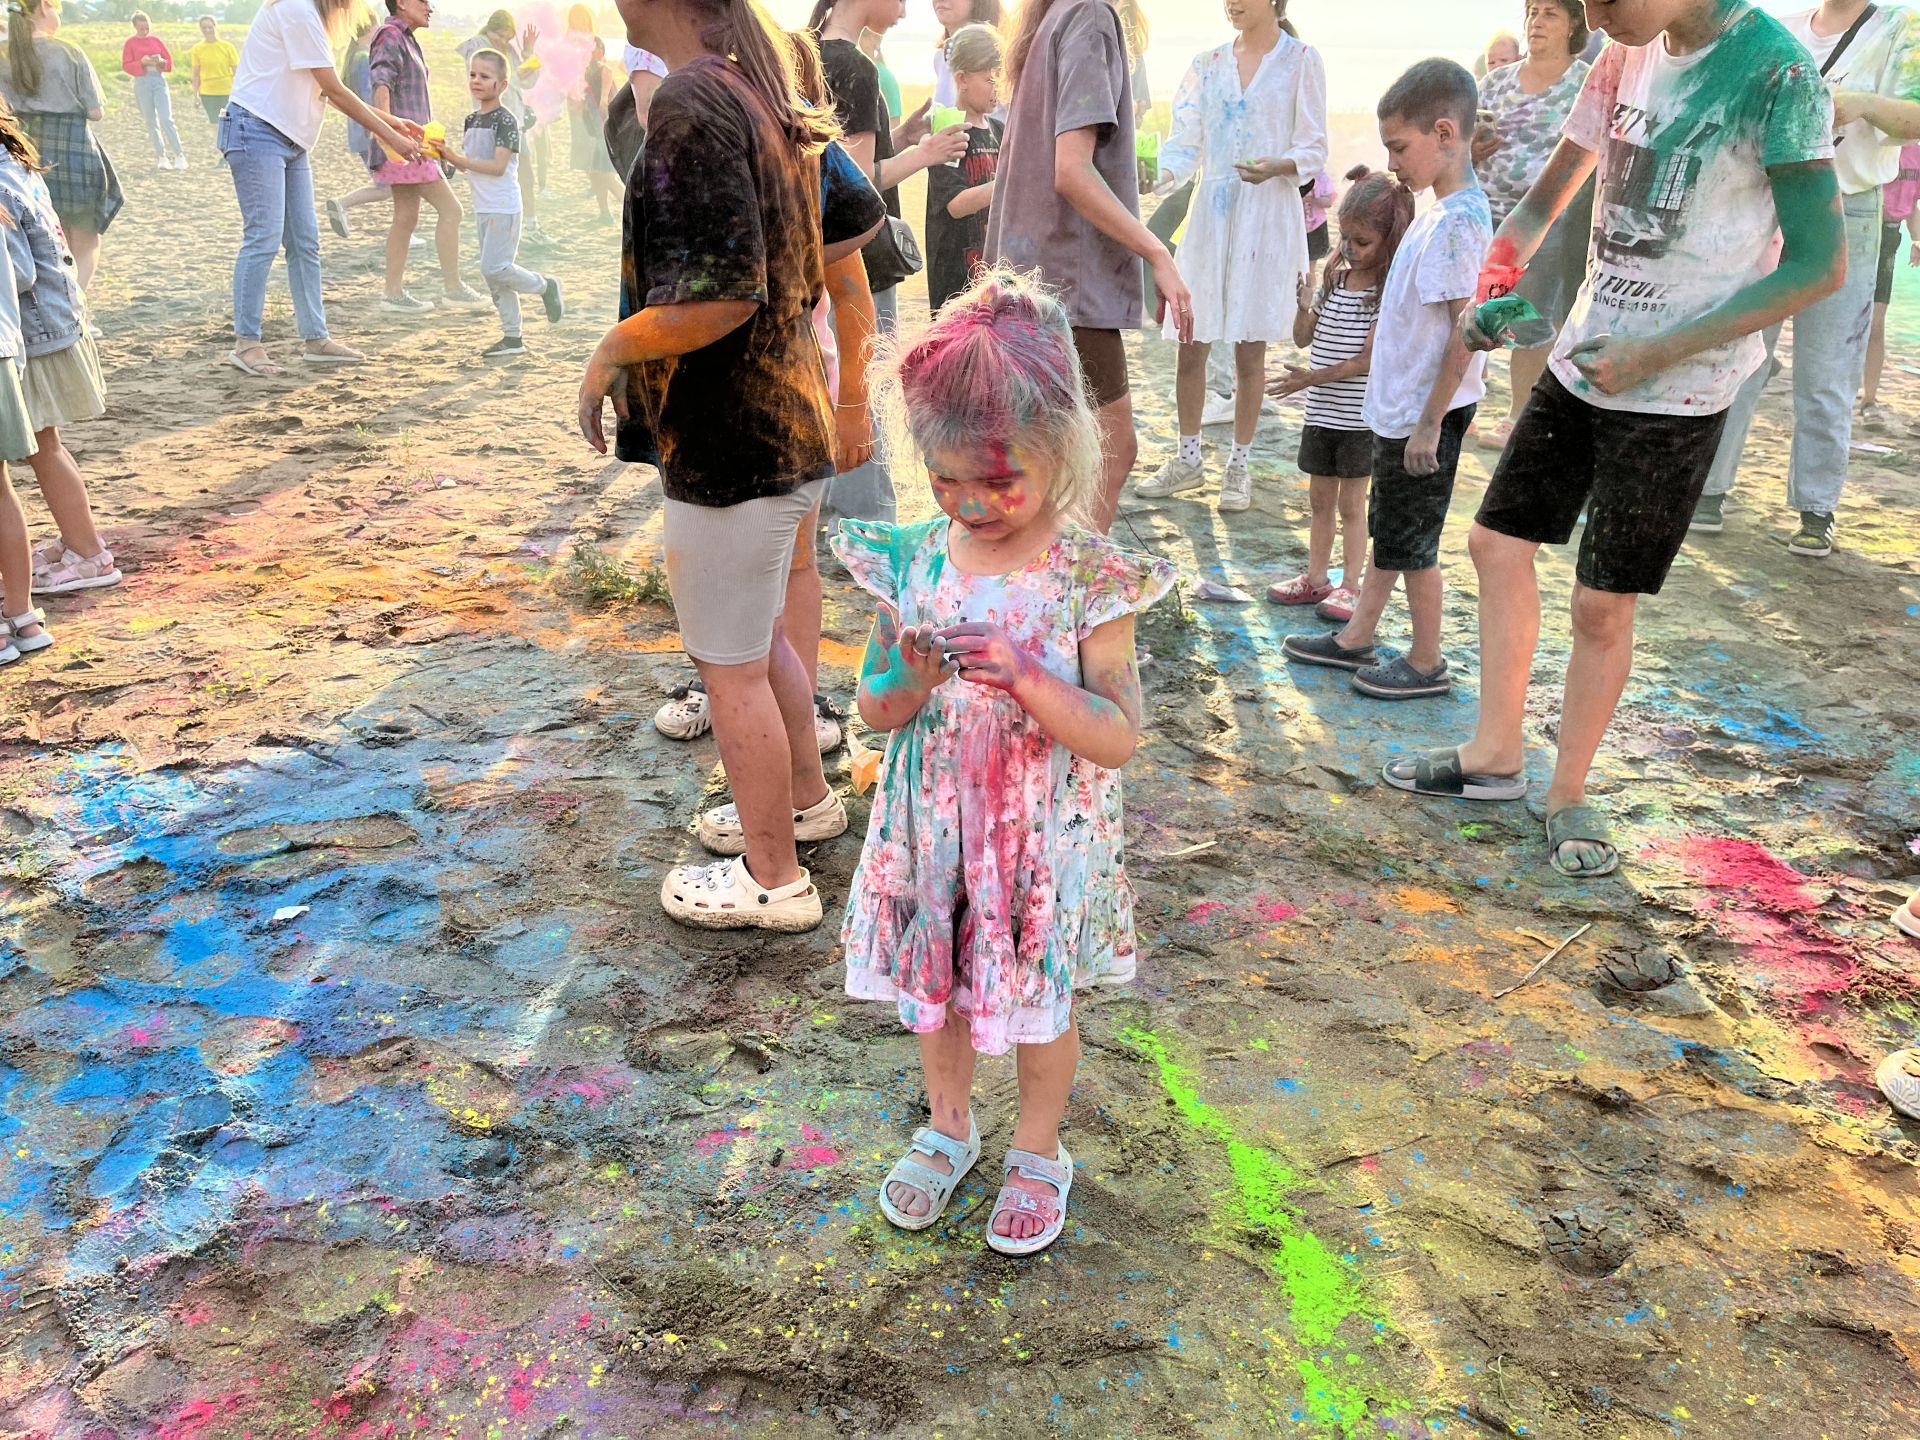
(474, 1144)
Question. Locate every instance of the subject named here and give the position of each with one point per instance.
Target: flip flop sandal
(1012, 1201)
(1298, 591)
(1580, 822)
(1899, 1080)
(262, 368)
(1439, 772)
(1907, 919)
(936, 1187)
(1324, 649)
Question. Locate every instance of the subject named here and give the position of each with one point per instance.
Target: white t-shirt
(638, 59)
(1438, 261)
(484, 136)
(286, 41)
(1683, 212)
(1883, 59)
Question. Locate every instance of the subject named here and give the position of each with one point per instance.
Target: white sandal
(71, 571)
(928, 1181)
(1059, 1174)
(1899, 1080)
(10, 627)
(723, 896)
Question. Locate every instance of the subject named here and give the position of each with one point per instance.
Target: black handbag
(892, 255)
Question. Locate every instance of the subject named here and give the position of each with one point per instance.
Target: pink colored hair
(996, 369)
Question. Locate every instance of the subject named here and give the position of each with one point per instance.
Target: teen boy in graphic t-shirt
(1713, 138)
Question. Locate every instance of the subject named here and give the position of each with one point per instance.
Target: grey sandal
(1580, 822)
(1398, 680)
(928, 1181)
(1325, 649)
(1439, 772)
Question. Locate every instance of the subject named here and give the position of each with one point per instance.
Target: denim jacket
(52, 312)
(12, 347)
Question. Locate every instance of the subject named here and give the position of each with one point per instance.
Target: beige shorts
(727, 570)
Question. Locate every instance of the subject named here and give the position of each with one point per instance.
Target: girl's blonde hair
(996, 368)
(974, 50)
(339, 17)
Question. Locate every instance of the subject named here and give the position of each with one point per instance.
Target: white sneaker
(1173, 477)
(826, 724)
(1219, 409)
(405, 304)
(723, 896)
(1236, 488)
(721, 832)
(686, 715)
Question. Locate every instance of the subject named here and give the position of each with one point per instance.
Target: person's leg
(1509, 635)
(1596, 674)
(303, 248)
(1249, 388)
(65, 491)
(1046, 1082)
(803, 603)
(1876, 357)
(259, 171)
(365, 195)
(85, 245)
(1426, 602)
(1524, 369)
(1829, 360)
(749, 724)
(446, 231)
(145, 97)
(169, 132)
(1370, 603)
(406, 214)
(1353, 532)
(946, 1060)
(499, 240)
(1121, 448)
(1733, 441)
(1323, 495)
(16, 557)
(1190, 388)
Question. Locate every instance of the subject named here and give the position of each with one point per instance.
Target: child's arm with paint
(1519, 237)
(1099, 720)
(659, 332)
(901, 669)
(1813, 264)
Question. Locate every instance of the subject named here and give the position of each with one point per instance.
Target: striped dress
(1339, 334)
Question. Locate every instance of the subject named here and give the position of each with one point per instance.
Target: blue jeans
(273, 180)
(156, 109)
(1829, 364)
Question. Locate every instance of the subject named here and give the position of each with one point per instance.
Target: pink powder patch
(1274, 911)
(519, 1394)
(1741, 865)
(714, 1139)
(811, 1157)
(1204, 912)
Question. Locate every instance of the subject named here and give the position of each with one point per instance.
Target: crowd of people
(1633, 215)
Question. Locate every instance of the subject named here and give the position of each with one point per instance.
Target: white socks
(1241, 454)
(1190, 449)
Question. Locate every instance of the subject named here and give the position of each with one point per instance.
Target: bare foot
(1478, 758)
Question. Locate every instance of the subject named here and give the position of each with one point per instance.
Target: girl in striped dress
(1336, 448)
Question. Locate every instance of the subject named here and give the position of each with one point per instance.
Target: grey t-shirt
(68, 84)
(1075, 77)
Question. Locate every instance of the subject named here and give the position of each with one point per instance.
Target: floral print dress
(993, 875)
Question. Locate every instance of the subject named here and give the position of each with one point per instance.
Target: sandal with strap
(264, 366)
(1582, 823)
(1907, 918)
(1298, 591)
(928, 1181)
(1014, 1201)
(10, 636)
(1898, 1077)
(71, 571)
(1439, 772)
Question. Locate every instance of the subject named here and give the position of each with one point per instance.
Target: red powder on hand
(1497, 280)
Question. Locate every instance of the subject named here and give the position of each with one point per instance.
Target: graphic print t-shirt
(487, 133)
(1683, 215)
(954, 247)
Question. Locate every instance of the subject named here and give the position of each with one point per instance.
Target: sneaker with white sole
(465, 298)
(550, 300)
(405, 304)
(337, 218)
(724, 896)
(1815, 537)
(1218, 410)
(1172, 478)
(507, 347)
(721, 832)
(827, 732)
(686, 715)
(1236, 488)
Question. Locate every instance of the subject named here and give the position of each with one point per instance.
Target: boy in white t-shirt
(490, 154)
(1423, 385)
(1713, 137)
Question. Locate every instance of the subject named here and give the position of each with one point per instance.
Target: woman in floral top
(1530, 102)
(1002, 664)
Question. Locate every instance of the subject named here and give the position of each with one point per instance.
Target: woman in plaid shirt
(399, 74)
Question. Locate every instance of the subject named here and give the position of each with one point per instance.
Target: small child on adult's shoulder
(1002, 664)
(490, 155)
(1336, 448)
(1422, 385)
(1681, 282)
(62, 383)
(960, 191)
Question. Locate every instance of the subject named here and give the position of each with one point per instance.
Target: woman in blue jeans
(280, 95)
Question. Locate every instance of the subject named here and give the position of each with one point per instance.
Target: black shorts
(1406, 513)
(1889, 262)
(1343, 454)
(1638, 503)
(1103, 364)
(1318, 245)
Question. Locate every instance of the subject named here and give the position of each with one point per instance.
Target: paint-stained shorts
(1406, 513)
(1638, 477)
(727, 571)
(1339, 454)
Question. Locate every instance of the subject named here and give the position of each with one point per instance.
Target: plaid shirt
(396, 62)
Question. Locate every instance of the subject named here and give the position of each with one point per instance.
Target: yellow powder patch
(1415, 901)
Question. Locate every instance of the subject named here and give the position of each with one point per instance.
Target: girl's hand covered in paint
(1269, 167)
(1850, 105)
(1297, 378)
(986, 655)
(917, 657)
(1612, 365)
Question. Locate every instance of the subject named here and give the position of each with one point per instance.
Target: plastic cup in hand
(1514, 322)
(433, 138)
(945, 117)
(1146, 154)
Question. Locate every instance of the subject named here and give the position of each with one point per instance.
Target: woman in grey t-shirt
(53, 88)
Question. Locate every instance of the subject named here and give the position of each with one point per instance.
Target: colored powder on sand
(1205, 911)
(1762, 880)
(1323, 1289)
(1274, 911)
(1412, 900)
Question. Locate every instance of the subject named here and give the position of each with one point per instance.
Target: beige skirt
(65, 387)
(16, 431)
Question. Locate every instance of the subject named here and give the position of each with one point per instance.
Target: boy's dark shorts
(1342, 454)
(1638, 476)
(1406, 513)
(1103, 362)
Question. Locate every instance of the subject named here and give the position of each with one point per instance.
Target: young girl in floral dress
(1002, 663)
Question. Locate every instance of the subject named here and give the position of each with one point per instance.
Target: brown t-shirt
(721, 206)
(1075, 76)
